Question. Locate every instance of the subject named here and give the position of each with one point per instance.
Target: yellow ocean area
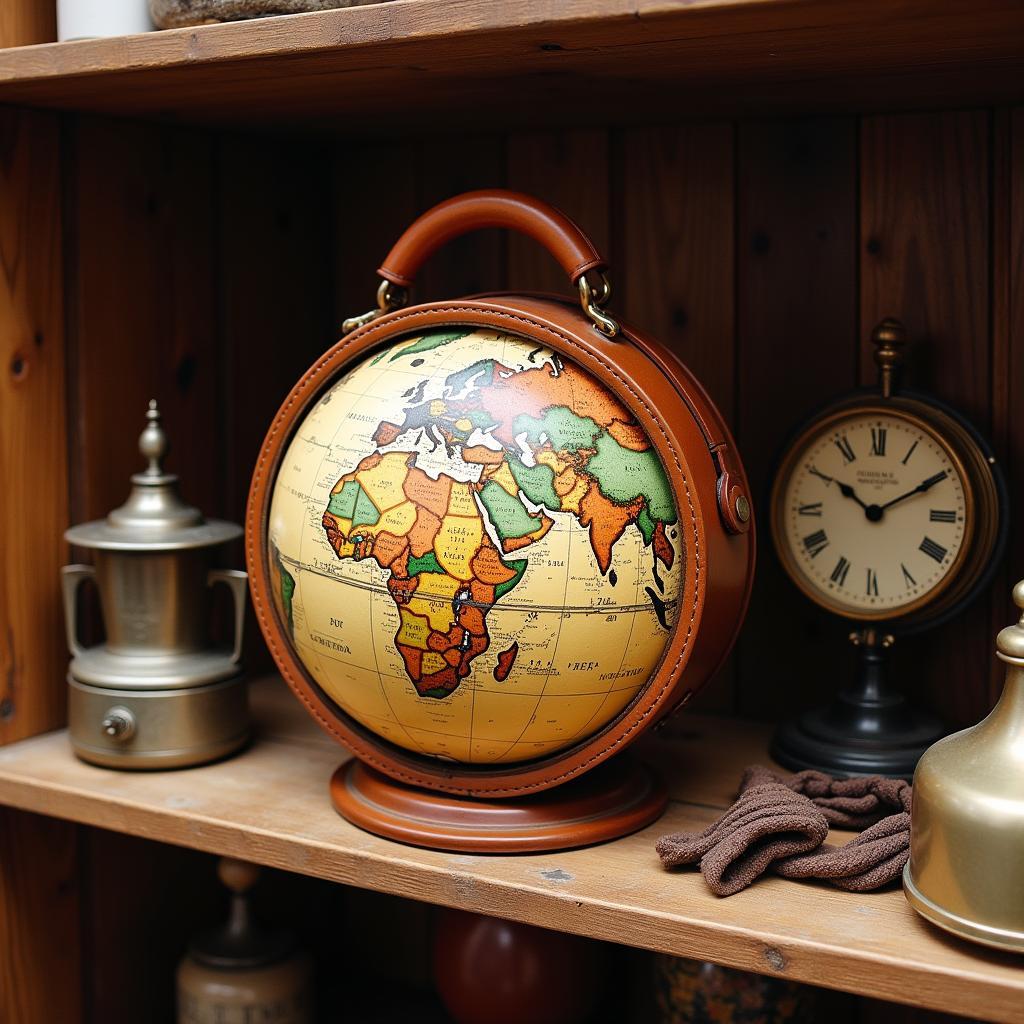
(383, 482)
(455, 544)
(433, 599)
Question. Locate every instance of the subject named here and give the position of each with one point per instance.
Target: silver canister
(156, 693)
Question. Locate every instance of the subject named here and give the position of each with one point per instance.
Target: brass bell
(966, 869)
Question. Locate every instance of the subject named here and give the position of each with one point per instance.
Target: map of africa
(475, 548)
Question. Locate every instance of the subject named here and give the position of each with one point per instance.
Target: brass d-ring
(389, 298)
(592, 302)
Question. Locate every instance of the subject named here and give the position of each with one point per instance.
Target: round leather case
(714, 528)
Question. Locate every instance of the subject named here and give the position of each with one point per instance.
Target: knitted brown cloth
(780, 822)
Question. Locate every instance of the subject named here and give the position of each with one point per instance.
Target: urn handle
(72, 577)
(237, 581)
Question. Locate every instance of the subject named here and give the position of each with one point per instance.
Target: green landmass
(563, 428)
(518, 568)
(343, 502)
(536, 482)
(287, 592)
(432, 340)
(645, 524)
(623, 475)
(425, 563)
(508, 514)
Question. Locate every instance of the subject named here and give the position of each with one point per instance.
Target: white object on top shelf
(85, 19)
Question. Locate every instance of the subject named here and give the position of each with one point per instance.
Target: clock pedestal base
(869, 729)
(613, 800)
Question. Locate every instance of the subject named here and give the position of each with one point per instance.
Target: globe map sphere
(473, 548)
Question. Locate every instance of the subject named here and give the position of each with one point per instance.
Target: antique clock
(888, 510)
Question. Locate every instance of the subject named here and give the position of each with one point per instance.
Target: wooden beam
(33, 435)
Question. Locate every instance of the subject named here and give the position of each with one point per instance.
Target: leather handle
(491, 208)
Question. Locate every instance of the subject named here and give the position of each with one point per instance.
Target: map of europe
(476, 547)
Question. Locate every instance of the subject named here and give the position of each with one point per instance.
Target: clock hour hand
(848, 492)
(923, 486)
(872, 512)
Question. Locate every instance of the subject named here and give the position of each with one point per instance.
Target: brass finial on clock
(888, 337)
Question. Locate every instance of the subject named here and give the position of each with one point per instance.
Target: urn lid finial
(1010, 641)
(155, 517)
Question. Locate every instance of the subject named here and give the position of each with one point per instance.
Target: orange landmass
(662, 548)
(506, 659)
(386, 432)
(387, 548)
(429, 494)
(629, 435)
(423, 532)
(488, 567)
(481, 455)
(606, 521)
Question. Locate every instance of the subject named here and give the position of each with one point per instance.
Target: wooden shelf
(390, 67)
(270, 805)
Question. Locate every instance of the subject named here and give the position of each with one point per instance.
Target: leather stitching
(251, 531)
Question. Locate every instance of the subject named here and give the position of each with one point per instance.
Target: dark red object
(490, 971)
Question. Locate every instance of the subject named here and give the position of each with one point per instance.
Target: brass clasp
(389, 298)
(592, 302)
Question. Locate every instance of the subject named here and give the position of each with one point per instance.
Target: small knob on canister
(118, 724)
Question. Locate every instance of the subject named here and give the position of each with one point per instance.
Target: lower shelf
(270, 805)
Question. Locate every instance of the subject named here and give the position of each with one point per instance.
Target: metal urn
(966, 869)
(157, 693)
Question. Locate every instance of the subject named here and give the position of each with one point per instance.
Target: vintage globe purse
(491, 542)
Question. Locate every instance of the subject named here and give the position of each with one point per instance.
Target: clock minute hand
(923, 486)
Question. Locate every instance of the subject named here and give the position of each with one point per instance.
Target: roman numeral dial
(870, 512)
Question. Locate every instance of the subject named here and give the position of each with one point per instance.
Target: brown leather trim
(719, 565)
(490, 208)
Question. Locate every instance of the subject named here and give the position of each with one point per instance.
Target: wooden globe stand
(616, 798)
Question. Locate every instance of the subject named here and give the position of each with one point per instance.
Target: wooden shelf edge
(270, 806)
(761, 951)
(415, 57)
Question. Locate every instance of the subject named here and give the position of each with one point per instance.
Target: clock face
(872, 513)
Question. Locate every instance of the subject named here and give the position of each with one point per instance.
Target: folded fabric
(768, 823)
(780, 822)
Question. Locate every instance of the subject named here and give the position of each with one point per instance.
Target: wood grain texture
(142, 902)
(925, 259)
(26, 22)
(374, 188)
(33, 434)
(459, 57)
(797, 311)
(275, 273)
(40, 965)
(569, 169)
(1007, 355)
(673, 238)
(142, 319)
(269, 805)
(475, 262)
